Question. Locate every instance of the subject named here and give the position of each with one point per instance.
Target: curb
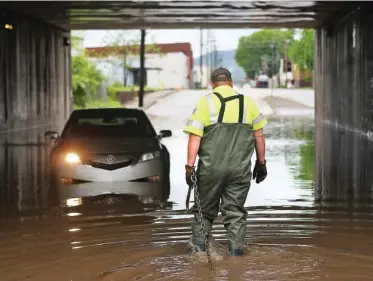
(134, 102)
(161, 97)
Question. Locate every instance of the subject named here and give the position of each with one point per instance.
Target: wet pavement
(290, 236)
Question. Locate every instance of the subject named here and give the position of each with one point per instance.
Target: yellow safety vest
(208, 107)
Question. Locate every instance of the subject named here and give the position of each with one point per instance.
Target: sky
(226, 39)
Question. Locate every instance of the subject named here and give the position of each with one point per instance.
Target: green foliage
(116, 87)
(86, 79)
(302, 52)
(99, 104)
(113, 89)
(121, 44)
(262, 51)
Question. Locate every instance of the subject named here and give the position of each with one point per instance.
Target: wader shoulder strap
(241, 109)
(223, 101)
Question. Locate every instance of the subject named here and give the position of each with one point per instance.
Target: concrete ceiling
(180, 14)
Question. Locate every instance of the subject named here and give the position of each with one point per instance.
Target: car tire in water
(53, 195)
(166, 183)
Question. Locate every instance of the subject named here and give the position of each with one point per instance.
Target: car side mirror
(51, 135)
(165, 134)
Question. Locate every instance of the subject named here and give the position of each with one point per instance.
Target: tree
(86, 79)
(86, 76)
(119, 46)
(262, 51)
(301, 51)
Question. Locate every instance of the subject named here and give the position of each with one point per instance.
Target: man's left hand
(189, 173)
(260, 171)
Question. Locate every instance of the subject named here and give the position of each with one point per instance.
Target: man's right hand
(260, 171)
(189, 173)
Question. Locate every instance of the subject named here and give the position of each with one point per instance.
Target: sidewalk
(300, 96)
(264, 107)
(149, 99)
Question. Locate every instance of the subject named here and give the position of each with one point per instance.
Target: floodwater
(290, 236)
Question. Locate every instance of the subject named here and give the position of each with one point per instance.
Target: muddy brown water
(290, 236)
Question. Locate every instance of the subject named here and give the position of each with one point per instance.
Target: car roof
(96, 111)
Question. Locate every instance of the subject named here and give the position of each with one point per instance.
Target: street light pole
(212, 54)
(272, 46)
(215, 55)
(208, 62)
(142, 68)
(287, 41)
(201, 58)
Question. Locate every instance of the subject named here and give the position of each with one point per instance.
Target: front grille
(110, 167)
(111, 161)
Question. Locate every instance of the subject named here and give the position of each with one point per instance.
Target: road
(172, 112)
(289, 237)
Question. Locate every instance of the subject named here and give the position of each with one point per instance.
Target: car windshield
(109, 124)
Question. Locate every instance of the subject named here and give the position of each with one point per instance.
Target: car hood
(111, 145)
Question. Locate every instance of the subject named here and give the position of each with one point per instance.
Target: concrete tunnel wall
(34, 97)
(34, 78)
(344, 108)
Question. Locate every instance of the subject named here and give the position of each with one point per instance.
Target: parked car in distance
(262, 81)
(110, 151)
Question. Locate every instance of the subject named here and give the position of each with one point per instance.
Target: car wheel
(53, 194)
(166, 187)
(166, 183)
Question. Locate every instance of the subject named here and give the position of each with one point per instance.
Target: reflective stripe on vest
(195, 124)
(258, 119)
(212, 109)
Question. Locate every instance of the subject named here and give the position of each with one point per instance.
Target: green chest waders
(224, 173)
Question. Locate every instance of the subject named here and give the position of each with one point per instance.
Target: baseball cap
(221, 74)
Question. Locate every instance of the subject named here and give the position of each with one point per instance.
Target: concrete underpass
(35, 80)
(36, 96)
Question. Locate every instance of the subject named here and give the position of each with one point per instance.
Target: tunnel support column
(344, 108)
(142, 68)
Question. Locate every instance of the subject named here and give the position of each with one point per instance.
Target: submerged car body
(110, 151)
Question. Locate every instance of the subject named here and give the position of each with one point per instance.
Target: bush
(100, 104)
(116, 87)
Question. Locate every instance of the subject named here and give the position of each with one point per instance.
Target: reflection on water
(123, 237)
(24, 186)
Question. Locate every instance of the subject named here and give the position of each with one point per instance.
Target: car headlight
(149, 156)
(72, 158)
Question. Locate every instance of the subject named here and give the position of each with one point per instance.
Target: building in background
(168, 66)
(201, 79)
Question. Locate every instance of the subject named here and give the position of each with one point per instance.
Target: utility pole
(211, 41)
(287, 41)
(215, 55)
(208, 61)
(142, 68)
(201, 58)
(125, 71)
(212, 57)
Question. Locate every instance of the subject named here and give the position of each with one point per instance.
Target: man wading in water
(224, 130)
